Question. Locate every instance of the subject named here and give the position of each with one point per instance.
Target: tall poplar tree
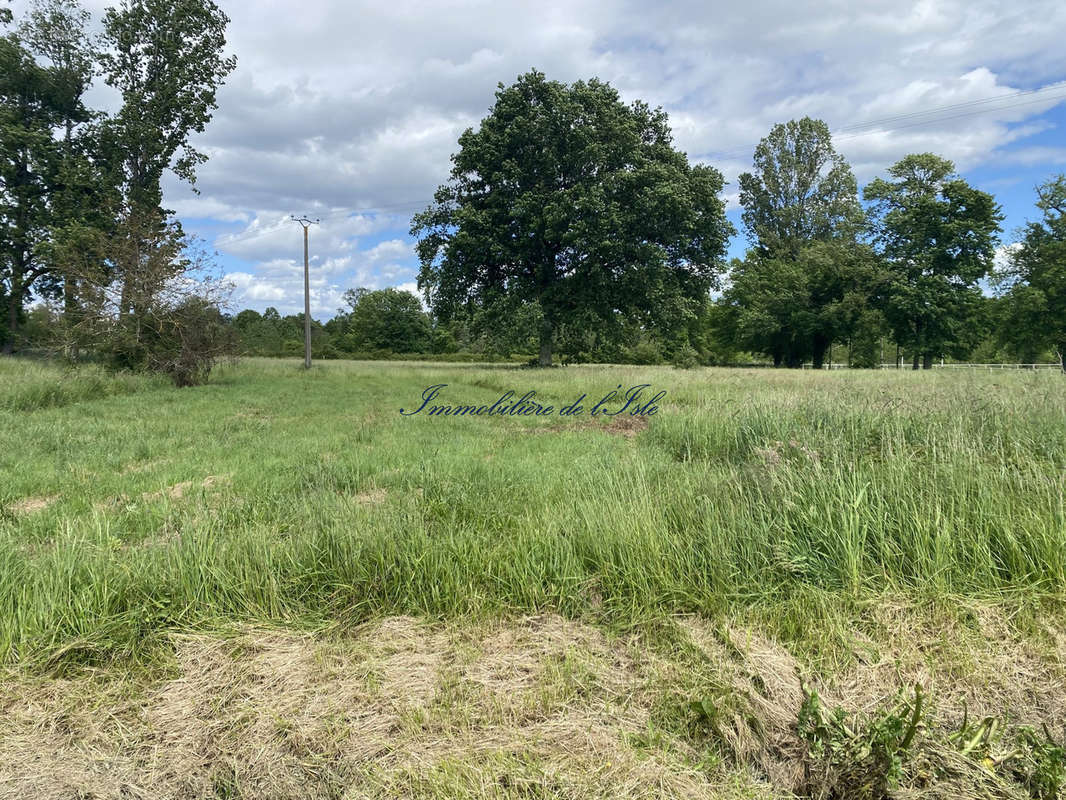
(802, 214)
(165, 57)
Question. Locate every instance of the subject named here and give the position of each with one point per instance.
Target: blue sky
(348, 106)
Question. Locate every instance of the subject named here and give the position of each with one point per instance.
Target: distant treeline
(391, 324)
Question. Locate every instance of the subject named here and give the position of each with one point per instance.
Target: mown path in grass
(307, 498)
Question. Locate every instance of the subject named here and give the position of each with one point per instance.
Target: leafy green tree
(387, 319)
(257, 333)
(165, 59)
(56, 30)
(801, 198)
(31, 104)
(867, 336)
(1034, 284)
(793, 306)
(757, 308)
(82, 200)
(801, 191)
(291, 328)
(936, 235)
(568, 199)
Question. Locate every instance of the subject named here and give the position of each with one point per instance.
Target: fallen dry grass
(539, 707)
(31, 505)
(179, 490)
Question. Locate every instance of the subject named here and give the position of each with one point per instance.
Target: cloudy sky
(349, 110)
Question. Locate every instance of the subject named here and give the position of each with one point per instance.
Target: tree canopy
(1035, 278)
(386, 319)
(936, 235)
(80, 190)
(801, 191)
(569, 199)
(802, 215)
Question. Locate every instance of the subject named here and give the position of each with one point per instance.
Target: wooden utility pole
(306, 223)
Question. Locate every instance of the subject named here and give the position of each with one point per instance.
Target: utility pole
(306, 223)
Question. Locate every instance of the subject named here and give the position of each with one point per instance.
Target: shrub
(183, 341)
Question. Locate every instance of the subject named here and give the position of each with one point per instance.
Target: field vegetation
(531, 606)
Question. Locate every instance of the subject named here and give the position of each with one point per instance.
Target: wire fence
(909, 365)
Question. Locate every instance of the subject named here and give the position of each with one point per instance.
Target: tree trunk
(70, 315)
(915, 364)
(1062, 356)
(819, 346)
(12, 321)
(927, 360)
(545, 359)
(14, 305)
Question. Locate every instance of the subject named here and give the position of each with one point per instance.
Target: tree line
(570, 227)
(575, 208)
(82, 222)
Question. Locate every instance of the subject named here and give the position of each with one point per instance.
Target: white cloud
(1001, 259)
(356, 106)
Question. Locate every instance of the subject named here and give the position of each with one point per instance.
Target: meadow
(263, 555)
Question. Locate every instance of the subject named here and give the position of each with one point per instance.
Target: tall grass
(748, 489)
(27, 385)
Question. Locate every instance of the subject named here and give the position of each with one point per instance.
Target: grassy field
(280, 557)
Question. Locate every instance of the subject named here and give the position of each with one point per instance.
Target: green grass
(779, 494)
(29, 385)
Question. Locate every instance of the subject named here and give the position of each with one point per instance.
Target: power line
(954, 106)
(958, 116)
(724, 154)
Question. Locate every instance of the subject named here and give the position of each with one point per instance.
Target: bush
(686, 357)
(183, 341)
(645, 351)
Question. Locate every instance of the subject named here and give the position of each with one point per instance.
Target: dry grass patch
(179, 490)
(31, 505)
(144, 466)
(626, 425)
(623, 425)
(749, 689)
(372, 497)
(539, 707)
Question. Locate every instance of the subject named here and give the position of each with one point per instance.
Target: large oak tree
(567, 198)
